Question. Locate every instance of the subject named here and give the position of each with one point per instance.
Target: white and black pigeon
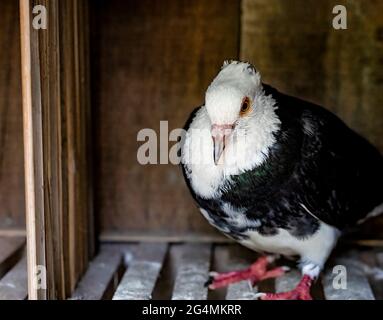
(277, 174)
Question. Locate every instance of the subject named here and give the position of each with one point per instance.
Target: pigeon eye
(245, 107)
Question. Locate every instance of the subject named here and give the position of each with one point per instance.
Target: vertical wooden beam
(84, 31)
(53, 151)
(85, 85)
(69, 87)
(32, 150)
(75, 89)
(55, 102)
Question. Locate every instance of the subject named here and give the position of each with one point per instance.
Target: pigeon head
(234, 104)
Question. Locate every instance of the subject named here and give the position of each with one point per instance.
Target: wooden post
(56, 112)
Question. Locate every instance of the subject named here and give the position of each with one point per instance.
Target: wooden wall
(12, 212)
(152, 61)
(296, 49)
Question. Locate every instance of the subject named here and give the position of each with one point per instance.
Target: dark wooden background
(297, 50)
(152, 60)
(12, 213)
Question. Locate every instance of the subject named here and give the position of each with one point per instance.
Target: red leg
(301, 292)
(256, 272)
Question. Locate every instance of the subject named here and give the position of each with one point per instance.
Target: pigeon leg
(256, 272)
(300, 292)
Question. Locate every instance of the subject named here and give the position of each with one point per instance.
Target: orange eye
(245, 107)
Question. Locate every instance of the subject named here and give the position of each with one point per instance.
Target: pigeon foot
(255, 273)
(300, 292)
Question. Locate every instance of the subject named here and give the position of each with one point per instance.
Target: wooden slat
(192, 270)
(358, 287)
(173, 237)
(139, 280)
(87, 126)
(14, 285)
(242, 290)
(69, 90)
(288, 281)
(32, 148)
(75, 88)
(100, 275)
(234, 257)
(10, 249)
(42, 152)
(13, 233)
(378, 281)
(53, 151)
(372, 264)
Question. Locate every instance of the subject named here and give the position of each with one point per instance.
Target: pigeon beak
(221, 134)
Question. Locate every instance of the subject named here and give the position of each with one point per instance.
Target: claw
(255, 273)
(209, 281)
(259, 296)
(301, 292)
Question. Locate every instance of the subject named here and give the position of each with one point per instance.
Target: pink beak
(220, 134)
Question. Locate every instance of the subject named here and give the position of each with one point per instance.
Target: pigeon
(279, 175)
